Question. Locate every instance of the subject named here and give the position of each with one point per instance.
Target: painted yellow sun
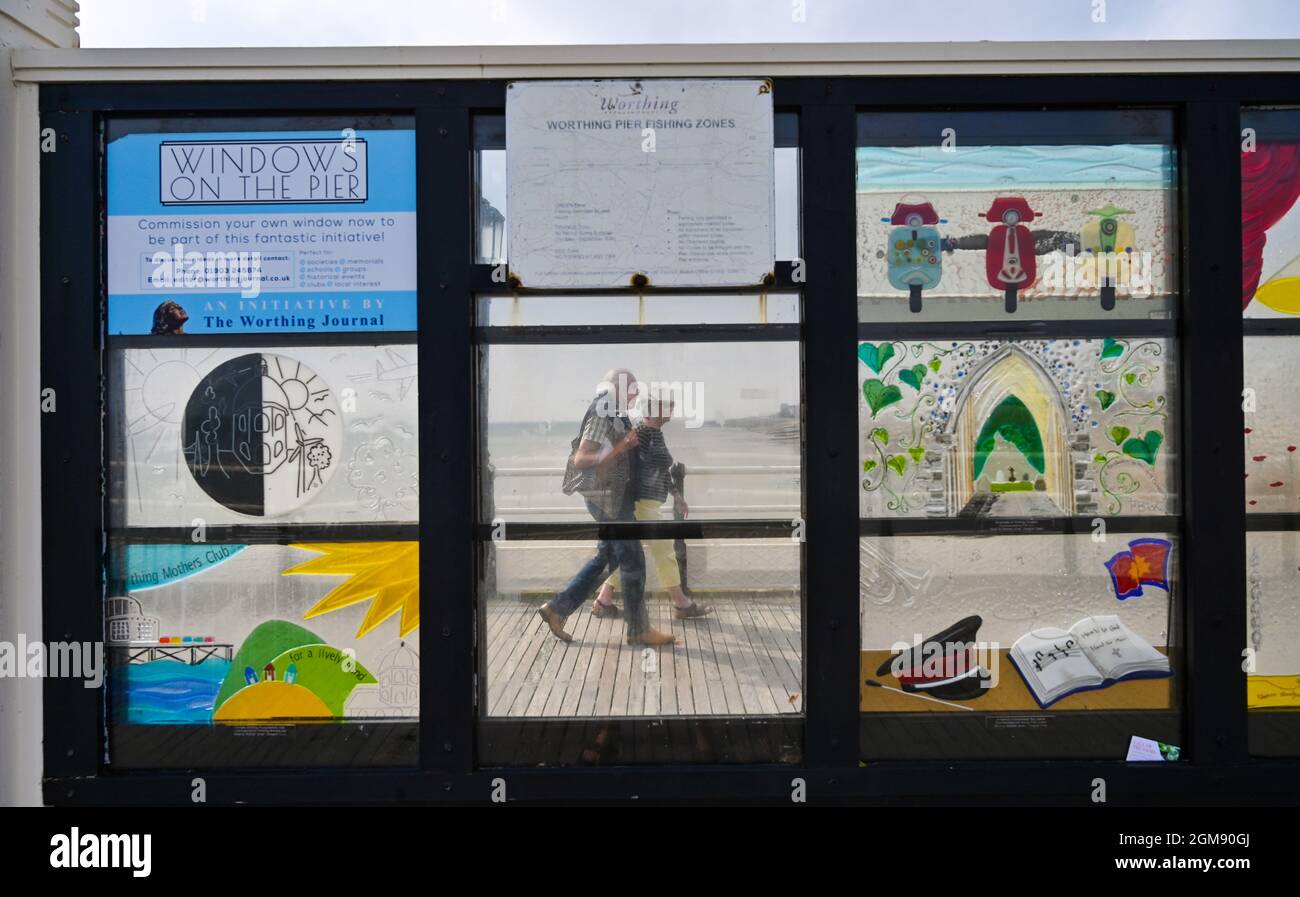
(387, 574)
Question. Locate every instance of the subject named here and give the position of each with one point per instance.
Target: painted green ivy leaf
(1144, 449)
(881, 435)
(898, 463)
(935, 364)
(913, 376)
(1119, 434)
(868, 466)
(1111, 349)
(1099, 458)
(1130, 378)
(1105, 398)
(875, 357)
(879, 396)
(917, 452)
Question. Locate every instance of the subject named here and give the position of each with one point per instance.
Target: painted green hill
(322, 670)
(265, 643)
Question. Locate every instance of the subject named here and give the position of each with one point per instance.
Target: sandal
(691, 611)
(603, 611)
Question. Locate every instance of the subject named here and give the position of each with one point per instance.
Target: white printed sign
(671, 180)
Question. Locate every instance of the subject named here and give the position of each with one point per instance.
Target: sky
(284, 23)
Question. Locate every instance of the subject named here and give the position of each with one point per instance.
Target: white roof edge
(648, 60)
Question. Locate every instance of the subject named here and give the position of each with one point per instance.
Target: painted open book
(1095, 652)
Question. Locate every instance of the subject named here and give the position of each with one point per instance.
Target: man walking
(600, 469)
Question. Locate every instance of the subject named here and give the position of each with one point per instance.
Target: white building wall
(23, 23)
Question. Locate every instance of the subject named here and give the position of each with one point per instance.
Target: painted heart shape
(1130, 378)
(917, 453)
(1105, 398)
(913, 376)
(881, 435)
(1111, 349)
(875, 357)
(1119, 434)
(935, 364)
(879, 395)
(868, 466)
(898, 463)
(1144, 449)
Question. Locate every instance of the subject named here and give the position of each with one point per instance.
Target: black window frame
(1213, 633)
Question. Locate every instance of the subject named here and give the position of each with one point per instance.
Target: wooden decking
(742, 660)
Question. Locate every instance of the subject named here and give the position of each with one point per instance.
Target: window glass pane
(963, 215)
(955, 629)
(184, 431)
(735, 425)
(787, 203)
(741, 663)
(1270, 221)
(249, 641)
(1272, 364)
(586, 310)
(1273, 615)
(1024, 428)
(490, 210)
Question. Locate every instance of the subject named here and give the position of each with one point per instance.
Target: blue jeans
(626, 556)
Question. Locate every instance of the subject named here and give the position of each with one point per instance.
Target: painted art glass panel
(968, 216)
(1273, 624)
(967, 641)
(246, 636)
(309, 434)
(1023, 428)
(1270, 214)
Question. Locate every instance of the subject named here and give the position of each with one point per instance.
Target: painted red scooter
(1009, 261)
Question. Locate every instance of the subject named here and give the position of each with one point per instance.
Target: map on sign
(618, 183)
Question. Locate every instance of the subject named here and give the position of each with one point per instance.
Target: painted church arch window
(1030, 428)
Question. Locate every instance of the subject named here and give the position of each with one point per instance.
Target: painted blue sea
(1021, 167)
(164, 691)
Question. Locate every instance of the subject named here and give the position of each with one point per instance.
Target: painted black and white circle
(262, 434)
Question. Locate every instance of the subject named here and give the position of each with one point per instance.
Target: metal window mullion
(72, 584)
(447, 584)
(1213, 577)
(830, 557)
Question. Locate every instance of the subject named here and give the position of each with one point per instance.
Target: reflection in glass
(735, 426)
(742, 659)
(559, 310)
